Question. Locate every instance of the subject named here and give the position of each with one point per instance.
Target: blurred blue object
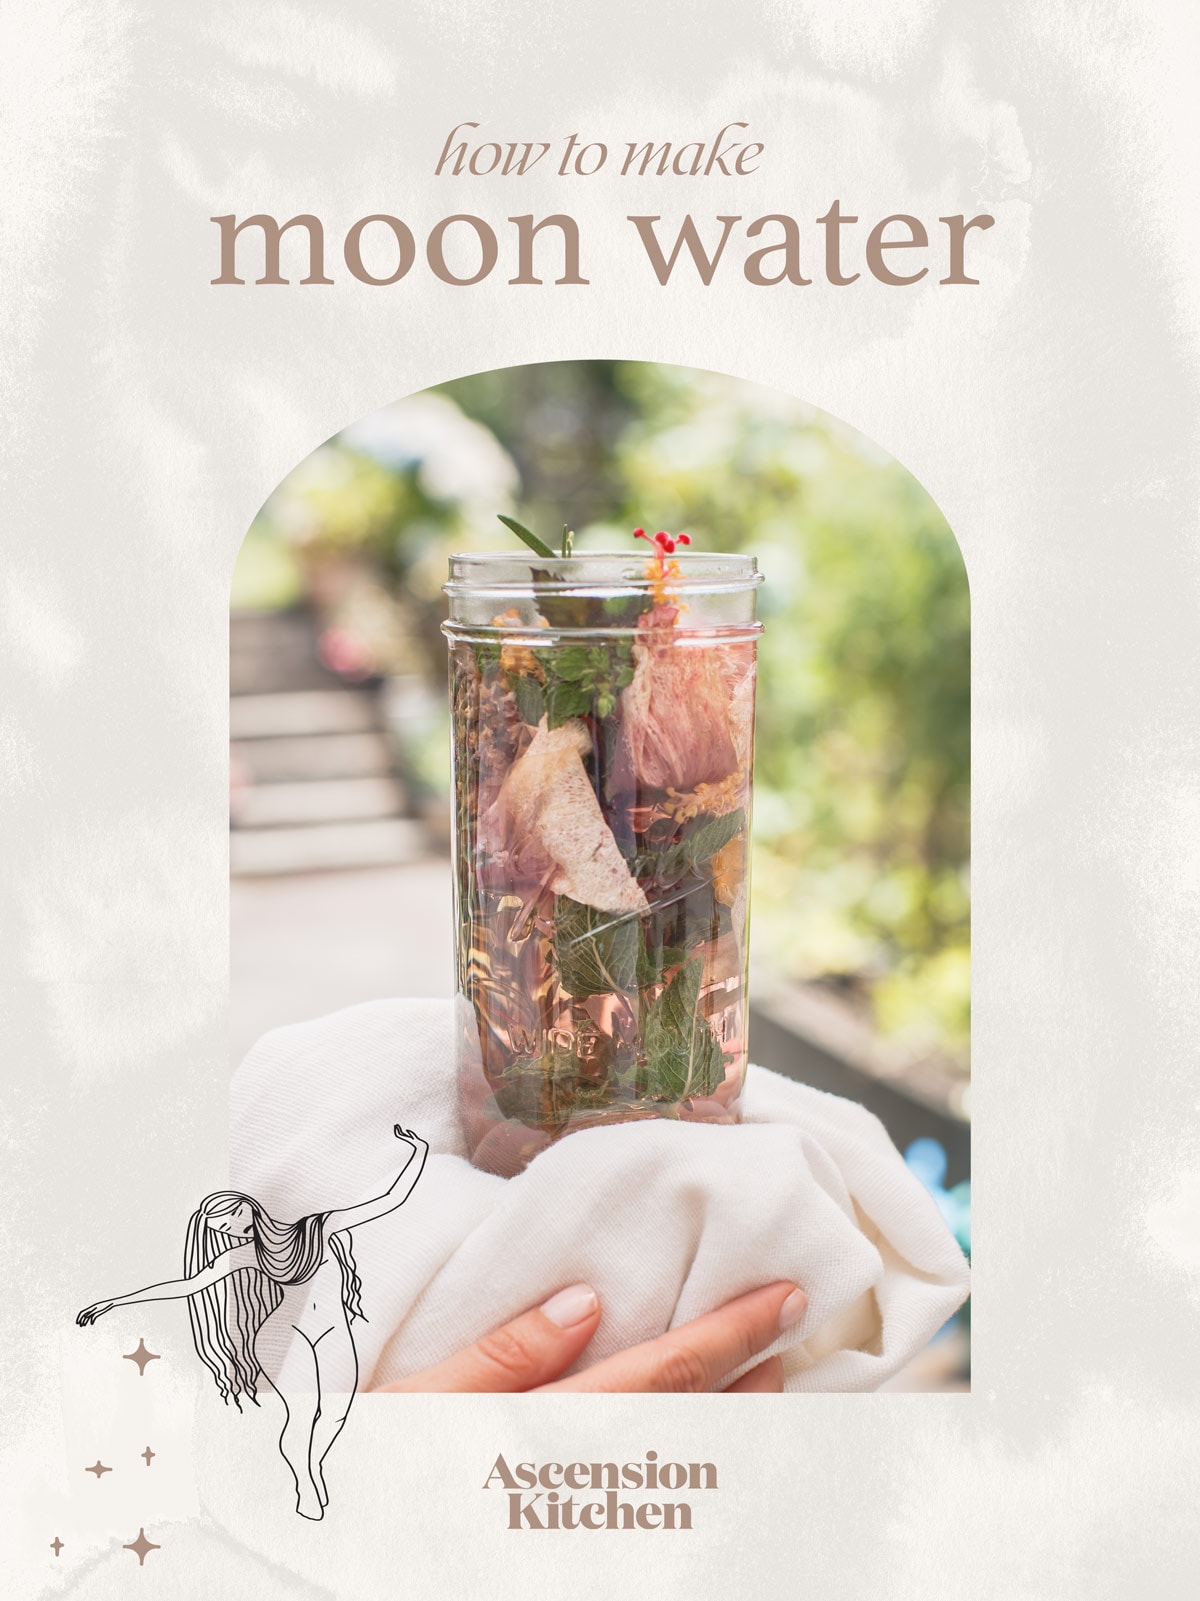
(927, 1159)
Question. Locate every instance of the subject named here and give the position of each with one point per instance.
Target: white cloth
(667, 1220)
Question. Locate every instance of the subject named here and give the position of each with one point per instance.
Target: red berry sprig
(664, 541)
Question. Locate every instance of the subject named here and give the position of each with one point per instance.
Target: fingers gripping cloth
(667, 1220)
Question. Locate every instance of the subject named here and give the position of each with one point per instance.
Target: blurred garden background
(340, 767)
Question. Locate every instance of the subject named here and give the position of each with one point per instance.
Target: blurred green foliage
(863, 752)
(863, 748)
(340, 503)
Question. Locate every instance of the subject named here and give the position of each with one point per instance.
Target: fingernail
(571, 1306)
(792, 1309)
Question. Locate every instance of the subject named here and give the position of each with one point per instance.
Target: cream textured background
(1053, 414)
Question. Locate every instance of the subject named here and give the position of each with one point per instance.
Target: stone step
(319, 800)
(311, 756)
(270, 651)
(256, 630)
(313, 711)
(375, 843)
(268, 672)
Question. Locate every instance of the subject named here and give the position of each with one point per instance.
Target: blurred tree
(561, 422)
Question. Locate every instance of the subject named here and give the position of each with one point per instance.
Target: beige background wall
(1051, 411)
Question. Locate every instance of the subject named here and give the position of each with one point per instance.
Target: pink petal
(547, 813)
(679, 724)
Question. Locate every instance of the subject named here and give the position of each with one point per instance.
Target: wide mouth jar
(603, 725)
(605, 591)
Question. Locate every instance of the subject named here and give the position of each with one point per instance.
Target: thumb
(533, 1349)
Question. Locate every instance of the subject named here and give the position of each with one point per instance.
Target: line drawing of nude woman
(277, 1300)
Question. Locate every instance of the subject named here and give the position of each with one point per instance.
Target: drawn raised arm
(175, 1289)
(398, 1192)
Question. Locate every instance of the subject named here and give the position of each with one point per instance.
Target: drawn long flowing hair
(227, 1316)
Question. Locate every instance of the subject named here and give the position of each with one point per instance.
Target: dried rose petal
(678, 730)
(547, 813)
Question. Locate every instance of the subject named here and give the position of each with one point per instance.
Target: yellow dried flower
(519, 659)
(663, 575)
(714, 800)
(729, 870)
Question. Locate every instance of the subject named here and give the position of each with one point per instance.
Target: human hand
(91, 1313)
(409, 1137)
(534, 1349)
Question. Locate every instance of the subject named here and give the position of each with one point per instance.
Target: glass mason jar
(603, 736)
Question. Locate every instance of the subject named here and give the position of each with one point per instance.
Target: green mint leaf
(708, 835)
(662, 866)
(655, 961)
(571, 664)
(543, 1091)
(626, 608)
(564, 701)
(582, 679)
(700, 842)
(531, 539)
(487, 656)
(672, 1014)
(595, 952)
(665, 866)
(683, 1058)
(531, 702)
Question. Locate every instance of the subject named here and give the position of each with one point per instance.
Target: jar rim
(611, 572)
(529, 634)
(739, 556)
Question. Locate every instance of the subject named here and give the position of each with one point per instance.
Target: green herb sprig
(538, 546)
(682, 1055)
(701, 841)
(582, 679)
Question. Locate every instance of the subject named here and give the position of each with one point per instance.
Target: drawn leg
(335, 1354)
(298, 1386)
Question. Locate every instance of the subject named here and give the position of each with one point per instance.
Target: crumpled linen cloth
(667, 1220)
